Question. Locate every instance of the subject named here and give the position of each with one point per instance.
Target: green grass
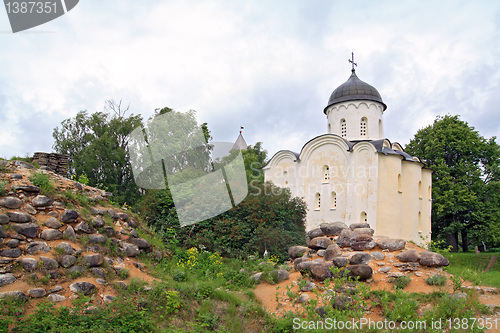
(45, 184)
(3, 188)
(471, 267)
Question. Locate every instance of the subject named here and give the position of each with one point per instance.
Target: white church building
(354, 174)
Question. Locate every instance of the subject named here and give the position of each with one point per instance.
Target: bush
(436, 280)
(3, 188)
(43, 182)
(401, 282)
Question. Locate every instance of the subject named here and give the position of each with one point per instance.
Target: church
(354, 174)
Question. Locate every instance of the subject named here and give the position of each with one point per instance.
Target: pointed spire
(240, 143)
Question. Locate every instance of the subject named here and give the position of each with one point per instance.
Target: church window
(285, 178)
(363, 127)
(364, 217)
(419, 222)
(317, 199)
(329, 128)
(380, 129)
(400, 185)
(334, 201)
(420, 190)
(430, 193)
(343, 128)
(326, 173)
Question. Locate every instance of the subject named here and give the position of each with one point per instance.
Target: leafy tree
(97, 147)
(465, 188)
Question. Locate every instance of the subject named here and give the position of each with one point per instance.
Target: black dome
(354, 89)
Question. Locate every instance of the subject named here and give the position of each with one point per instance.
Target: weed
(457, 283)
(401, 282)
(123, 273)
(179, 275)
(3, 188)
(436, 280)
(44, 183)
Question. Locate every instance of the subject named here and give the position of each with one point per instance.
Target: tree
(465, 188)
(97, 147)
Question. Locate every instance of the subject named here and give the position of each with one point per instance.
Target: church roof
(240, 143)
(354, 89)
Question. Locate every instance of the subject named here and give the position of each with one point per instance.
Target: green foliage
(44, 183)
(97, 149)
(76, 198)
(401, 282)
(3, 188)
(471, 267)
(83, 179)
(436, 280)
(466, 181)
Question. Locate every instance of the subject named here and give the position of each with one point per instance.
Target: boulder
(360, 258)
(321, 271)
(26, 188)
(98, 222)
(141, 243)
(319, 243)
(68, 249)
(4, 219)
(29, 209)
(256, 277)
(53, 223)
(49, 263)
(315, 233)
(84, 228)
(298, 261)
(391, 244)
(364, 231)
(333, 229)
(11, 253)
(305, 266)
(19, 217)
(108, 230)
(408, 256)
(69, 233)
(98, 211)
(297, 251)
(321, 253)
(303, 298)
(377, 255)
(83, 287)
(11, 202)
(56, 298)
(342, 302)
(433, 259)
(99, 272)
(2, 232)
(362, 271)
(359, 225)
(123, 216)
(51, 234)
(345, 237)
(68, 260)
(26, 229)
(35, 247)
(41, 201)
(93, 260)
(362, 242)
(69, 216)
(332, 251)
(7, 278)
(37, 292)
(282, 274)
(113, 214)
(340, 261)
(386, 269)
(97, 239)
(309, 286)
(15, 294)
(76, 269)
(131, 250)
(12, 243)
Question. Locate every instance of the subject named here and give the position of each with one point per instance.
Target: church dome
(354, 89)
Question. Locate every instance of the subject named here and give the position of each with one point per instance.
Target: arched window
(334, 200)
(326, 173)
(363, 131)
(317, 201)
(420, 190)
(380, 129)
(400, 185)
(364, 218)
(343, 128)
(419, 222)
(329, 128)
(430, 193)
(285, 178)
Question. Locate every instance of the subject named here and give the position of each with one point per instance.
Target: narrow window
(317, 205)
(343, 128)
(380, 130)
(329, 129)
(364, 217)
(420, 190)
(430, 193)
(326, 173)
(362, 127)
(419, 222)
(400, 185)
(334, 200)
(285, 178)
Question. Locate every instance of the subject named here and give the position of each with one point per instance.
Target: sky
(269, 66)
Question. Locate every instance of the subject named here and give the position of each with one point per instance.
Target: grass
(45, 184)
(471, 266)
(3, 188)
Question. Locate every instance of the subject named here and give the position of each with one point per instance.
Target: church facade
(353, 174)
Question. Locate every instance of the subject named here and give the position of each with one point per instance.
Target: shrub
(436, 280)
(3, 188)
(401, 282)
(43, 182)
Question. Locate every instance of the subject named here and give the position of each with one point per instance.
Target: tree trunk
(465, 242)
(452, 239)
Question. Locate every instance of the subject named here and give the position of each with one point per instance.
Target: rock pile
(57, 163)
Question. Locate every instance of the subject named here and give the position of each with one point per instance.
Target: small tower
(240, 143)
(355, 109)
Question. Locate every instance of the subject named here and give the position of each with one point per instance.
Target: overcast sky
(269, 66)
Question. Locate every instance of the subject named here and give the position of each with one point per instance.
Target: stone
(391, 244)
(12, 243)
(132, 223)
(134, 233)
(297, 251)
(35, 247)
(364, 231)
(408, 256)
(345, 237)
(407, 266)
(49, 263)
(19, 217)
(53, 213)
(69, 233)
(319, 243)
(319, 260)
(113, 214)
(51, 234)
(76, 269)
(333, 229)
(15, 294)
(68, 249)
(362, 272)
(26, 188)
(340, 261)
(11, 202)
(457, 296)
(98, 211)
(362, 242)
(359, 225)
(309, 286)
(26, 229)
(56, 298)
(11, 253)
(108, 298)
(53, 223)
(83, 287)
(68, 260)
(7, 278)
(321, 253)
(396, 275)
(386, 269)
(321, 271)
(16, 176)
(305, 266)
(256, 277)
(55, 289)
(93, 260)
(2, 232)
(97, 239)
(377, 255)
(29, 209)
(4, 219)
(123, 216)
(360, 258)
(282, 275)
(303, 298)
(99, 272)
(299, 260)
(100, 281)
(41, 201)
(332, 251)
(342, 302)
(85, 228)
(433, 259)
(108, 231)
(315, 233)
(37, 292)
(141, 243)
(131, 250)
(98, 222)
(69, 216)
